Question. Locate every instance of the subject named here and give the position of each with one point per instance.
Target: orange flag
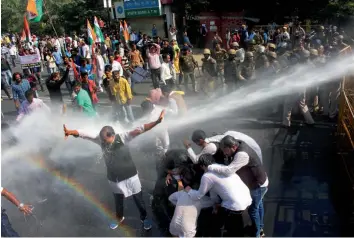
(23, 36)
(125, 31)
(32, 7)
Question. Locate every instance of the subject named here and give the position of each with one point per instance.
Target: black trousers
(139, 202)
(233, 222)
(156, 77)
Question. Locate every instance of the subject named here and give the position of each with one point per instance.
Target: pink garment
(155, 95)
(154, 58)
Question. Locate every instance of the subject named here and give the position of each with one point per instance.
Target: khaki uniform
(231, 69)
(296, 101)
(187, 65)
(210, 74)
(246, 71)
(220, 57)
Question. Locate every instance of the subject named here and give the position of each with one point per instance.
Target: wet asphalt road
(298, 203)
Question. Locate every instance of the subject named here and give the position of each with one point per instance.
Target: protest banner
(30, 61)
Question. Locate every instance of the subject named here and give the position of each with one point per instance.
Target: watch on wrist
(20, 205)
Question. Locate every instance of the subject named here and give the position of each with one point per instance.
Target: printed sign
(30, 61)
(142, 8)
(119, 8)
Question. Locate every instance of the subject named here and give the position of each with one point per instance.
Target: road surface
(297, 204)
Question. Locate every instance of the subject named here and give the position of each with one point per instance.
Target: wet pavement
(298, 203)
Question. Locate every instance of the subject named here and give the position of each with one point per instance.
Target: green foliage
(66, 15)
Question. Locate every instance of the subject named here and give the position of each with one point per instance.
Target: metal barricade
(345, 130)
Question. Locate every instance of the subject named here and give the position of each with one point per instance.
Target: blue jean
(128, 112)
(6, 227)
(256, 210)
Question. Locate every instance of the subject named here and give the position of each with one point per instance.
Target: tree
(12, 12)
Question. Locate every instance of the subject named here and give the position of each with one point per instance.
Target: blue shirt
(154, 32)
(58, 57)
(19, 90)
(87, 69)
(265, 37)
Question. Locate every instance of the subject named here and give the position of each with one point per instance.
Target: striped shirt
(19, 90)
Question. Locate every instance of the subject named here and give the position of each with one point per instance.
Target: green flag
(37, 18)
(98, 31)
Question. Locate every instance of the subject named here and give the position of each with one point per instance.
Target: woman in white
(100, 69)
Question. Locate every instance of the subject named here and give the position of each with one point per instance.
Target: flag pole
(50, 19)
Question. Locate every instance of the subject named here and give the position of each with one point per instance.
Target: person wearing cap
(231, 67)
(220, 55)
(209, 71)
(261, 60)
(122, 174)
(187, 65)
(300, 100)
(247, 71)
(271, 47)
(234, 45)
(273, 63)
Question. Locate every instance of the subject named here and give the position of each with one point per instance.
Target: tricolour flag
(126, 32)
(36, 17)
(23, 35)
(91, 35)
(26, 29)
(98, 31)
(31, 7)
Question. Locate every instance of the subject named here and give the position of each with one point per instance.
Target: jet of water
(38, 131)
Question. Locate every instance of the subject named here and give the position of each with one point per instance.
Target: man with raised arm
(121, 171)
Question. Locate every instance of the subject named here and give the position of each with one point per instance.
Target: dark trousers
(139, 202)
(6, 90)
(13, 58)
(233, 222)
(6, 227)
(156, 77)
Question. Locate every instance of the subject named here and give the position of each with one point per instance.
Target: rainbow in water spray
(78, 188)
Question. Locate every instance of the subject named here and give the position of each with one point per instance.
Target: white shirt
(86, 50)
(13, 50)
(234, 194)
(4, 50)
(239, 136)
(173, 35)
(162, 136)
(132, 37)
(210, 148)
(184, 221)
(57, 43)
(167, 72)
(27, 108)
(121, 51)
(117, 66)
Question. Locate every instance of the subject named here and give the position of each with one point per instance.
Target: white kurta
(126, 187)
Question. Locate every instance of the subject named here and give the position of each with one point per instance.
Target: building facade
(143, 14)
